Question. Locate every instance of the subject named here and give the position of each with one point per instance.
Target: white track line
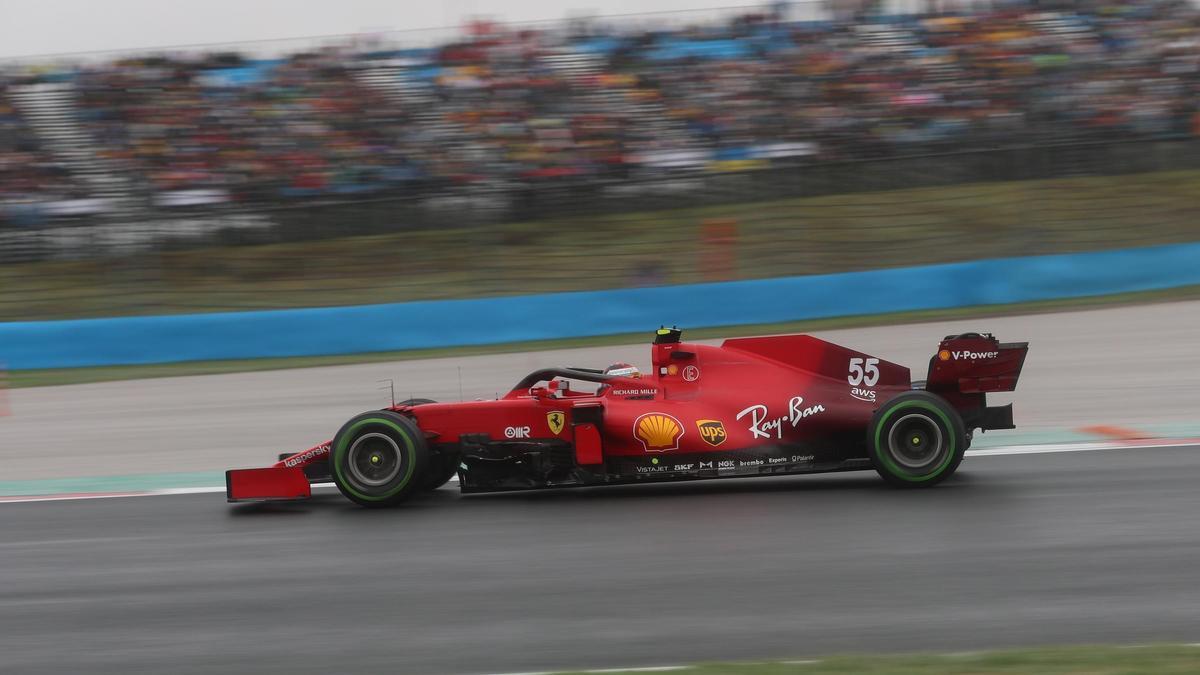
(1043, 448)
(601, 671)
(654, 669)
(649, 669)
(1082, 447)
(190, 490)
(16, 499)
(801, 662)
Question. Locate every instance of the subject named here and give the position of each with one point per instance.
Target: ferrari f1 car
(758, 406)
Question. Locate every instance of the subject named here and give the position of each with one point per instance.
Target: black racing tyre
(916, 439)
(442, 467)
(378, 458)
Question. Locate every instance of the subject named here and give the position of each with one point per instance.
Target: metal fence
(806, 218)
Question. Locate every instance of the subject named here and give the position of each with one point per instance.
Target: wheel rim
(915, 442)
(374, 460)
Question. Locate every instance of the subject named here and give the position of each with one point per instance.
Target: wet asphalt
(1016, 550)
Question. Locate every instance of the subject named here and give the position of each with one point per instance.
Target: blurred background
(593, 152)
(584, 146)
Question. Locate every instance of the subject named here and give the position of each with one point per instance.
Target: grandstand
(503, 108)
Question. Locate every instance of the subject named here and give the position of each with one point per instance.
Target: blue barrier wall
(416, 325)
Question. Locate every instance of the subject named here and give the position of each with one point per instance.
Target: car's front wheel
(378, 458)
(916, 439)
(442, 465)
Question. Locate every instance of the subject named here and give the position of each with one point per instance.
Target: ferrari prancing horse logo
(556, 421)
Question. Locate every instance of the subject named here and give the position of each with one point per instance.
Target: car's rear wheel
(916, 439)
(378, 458)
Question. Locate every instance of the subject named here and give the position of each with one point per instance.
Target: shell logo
(658, 432)
(944, 355)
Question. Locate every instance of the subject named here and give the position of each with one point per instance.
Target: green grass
(62, 376)
(814, 235)
(1085, 660)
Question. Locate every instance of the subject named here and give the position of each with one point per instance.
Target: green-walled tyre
(378, 458)
(916, 439)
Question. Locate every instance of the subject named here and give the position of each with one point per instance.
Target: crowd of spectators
(298, 126)
(507, 107)
(29, 174)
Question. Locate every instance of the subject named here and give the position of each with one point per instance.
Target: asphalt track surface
(1076, 547)
(1122, 366)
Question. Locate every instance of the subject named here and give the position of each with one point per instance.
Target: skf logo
(712, 432)
(556, 421)
(658, 432)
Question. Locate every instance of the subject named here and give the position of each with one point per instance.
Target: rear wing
(974, 363)
(969, 366)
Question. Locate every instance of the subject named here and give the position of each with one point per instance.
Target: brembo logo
(974, 355)
(322, 449)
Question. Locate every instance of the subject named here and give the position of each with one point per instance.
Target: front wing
(288, 479)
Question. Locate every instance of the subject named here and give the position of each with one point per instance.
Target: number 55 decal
(863, 371)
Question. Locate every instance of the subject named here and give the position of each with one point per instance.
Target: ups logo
(712, 431)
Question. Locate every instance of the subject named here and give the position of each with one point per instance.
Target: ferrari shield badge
(556, 420)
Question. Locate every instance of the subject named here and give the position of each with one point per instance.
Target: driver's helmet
(623, 370)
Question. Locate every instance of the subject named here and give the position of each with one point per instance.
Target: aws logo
(712, 432)
(658, 432)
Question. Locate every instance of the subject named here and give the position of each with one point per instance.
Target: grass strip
(781, 237)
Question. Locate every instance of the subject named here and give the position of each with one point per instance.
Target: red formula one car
(751, 407)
